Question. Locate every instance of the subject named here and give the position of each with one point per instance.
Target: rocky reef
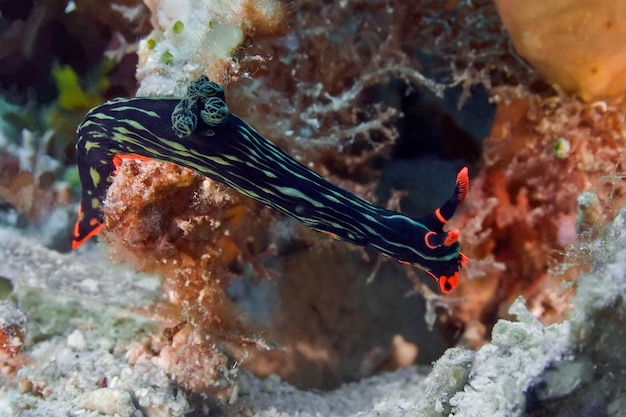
(242, 307)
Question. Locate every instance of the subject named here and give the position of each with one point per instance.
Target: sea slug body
(199, 132)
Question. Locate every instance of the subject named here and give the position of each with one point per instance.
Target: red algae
(525, 215)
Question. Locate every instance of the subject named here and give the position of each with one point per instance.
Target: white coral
(206, 34)
(195, 37)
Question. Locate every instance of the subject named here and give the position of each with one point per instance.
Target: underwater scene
(329, 208)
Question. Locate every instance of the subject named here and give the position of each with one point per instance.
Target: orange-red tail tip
(462, 181)
(452, 237)
(447, 284)
(77, 242)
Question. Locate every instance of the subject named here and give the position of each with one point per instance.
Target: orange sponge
(579, 45)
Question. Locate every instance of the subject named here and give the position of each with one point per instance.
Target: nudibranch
(199, 132)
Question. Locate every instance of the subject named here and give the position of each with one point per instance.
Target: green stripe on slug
(199, 132)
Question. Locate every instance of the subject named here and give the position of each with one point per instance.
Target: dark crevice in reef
(436, 137)
(439, 127)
